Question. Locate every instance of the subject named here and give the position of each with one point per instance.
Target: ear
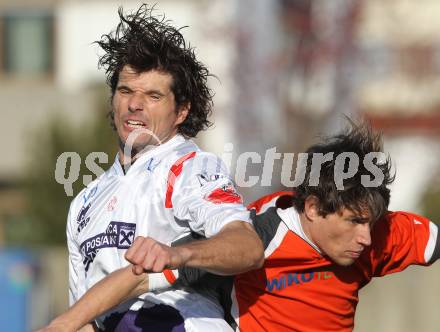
(311, 208)
(182, 113)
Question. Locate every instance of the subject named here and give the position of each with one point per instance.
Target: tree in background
(43, 220)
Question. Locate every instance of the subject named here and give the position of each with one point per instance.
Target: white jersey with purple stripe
(169, 192)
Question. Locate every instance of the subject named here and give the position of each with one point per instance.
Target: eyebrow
(125, 87)
(152, 91)
(359, 219)
(148, 92)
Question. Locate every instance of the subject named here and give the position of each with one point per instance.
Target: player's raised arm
(236, 248)
(226, 253)
(403, 239)
(203, 196)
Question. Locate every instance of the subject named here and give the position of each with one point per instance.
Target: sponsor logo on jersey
(117, 235)
(151, 164)
(225, 194)
(295, 279)
(89, 193)
(205, 178)
(81, 219)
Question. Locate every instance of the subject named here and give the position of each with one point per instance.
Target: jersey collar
(290, 218)
(117, 168)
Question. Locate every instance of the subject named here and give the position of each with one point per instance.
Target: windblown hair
(148, 42)
(361, 140)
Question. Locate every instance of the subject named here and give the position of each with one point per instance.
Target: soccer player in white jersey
(322, 245)
(161, 185)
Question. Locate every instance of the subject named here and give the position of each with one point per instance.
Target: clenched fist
(146, 254)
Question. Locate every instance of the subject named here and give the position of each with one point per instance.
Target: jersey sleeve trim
(169, 276)
(432, 244)
(434, 241)
(174, 172)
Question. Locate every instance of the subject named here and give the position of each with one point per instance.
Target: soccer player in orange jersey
(322, 244)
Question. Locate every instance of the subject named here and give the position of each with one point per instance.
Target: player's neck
(127, 157)
(305, 225)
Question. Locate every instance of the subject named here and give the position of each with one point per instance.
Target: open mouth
(135, 124)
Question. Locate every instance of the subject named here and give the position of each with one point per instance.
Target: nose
(364, 234)
(135, 103)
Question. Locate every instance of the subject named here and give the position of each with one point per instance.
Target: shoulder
(266, 224)
(190, 154)
(279, 199)
(396, 216)
(189, 159)
(399, 220)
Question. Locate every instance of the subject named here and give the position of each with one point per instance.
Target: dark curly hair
(361, 140)
(147, 42)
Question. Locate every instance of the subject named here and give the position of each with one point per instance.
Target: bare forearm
(116, 288)
(88, 328)
(236, 249)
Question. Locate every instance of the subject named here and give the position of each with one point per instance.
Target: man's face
(342, 236)
(143, 102)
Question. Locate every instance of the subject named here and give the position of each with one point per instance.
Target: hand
(146, 254)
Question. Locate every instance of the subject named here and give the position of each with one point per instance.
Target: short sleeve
(402, 239)
(203, 194)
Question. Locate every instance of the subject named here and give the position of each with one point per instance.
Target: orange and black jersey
(299, 289)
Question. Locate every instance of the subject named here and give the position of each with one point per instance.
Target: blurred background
(288, 71)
